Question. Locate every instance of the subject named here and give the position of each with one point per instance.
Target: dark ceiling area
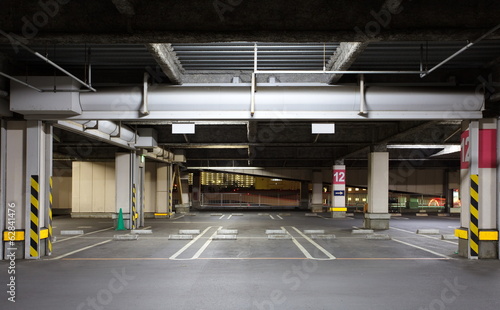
(114, 42)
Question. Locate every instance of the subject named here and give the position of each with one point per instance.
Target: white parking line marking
(271, 217)
(176, 218)
(89, 233)
(220, 218)
(426, 236)
(421, 248)
(279, 217)
(330, 256)
(184, 248)
(79, 250)
(301, 248)
(207, 243)
(229, 216)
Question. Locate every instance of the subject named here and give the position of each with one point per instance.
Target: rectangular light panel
(182, 129)
(322, 128)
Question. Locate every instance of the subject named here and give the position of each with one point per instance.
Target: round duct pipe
(326, 98)
(110, 128)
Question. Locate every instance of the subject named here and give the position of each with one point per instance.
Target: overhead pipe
(334, 72)
(460, 51)
(144, 108)
(48, 61)
(362, 103)
(110, 128)
(44, 90)
(254, 83)
(21, 82)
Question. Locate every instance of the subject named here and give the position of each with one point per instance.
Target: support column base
(182, 209)
(487, 249)
(304, 204)
(379, 221)
(317, 208)
(338, 214)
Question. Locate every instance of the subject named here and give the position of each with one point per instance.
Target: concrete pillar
(378, 215)
(304, 195)
(141, 189)
(26, 172)
(317, 192)
(498, 184)
(196, 190)
(183, 188)
(478, 235)
(126, 178)
(447, 195)
(164, 186)
(338, 191)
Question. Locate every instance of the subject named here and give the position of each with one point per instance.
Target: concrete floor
(349, 272)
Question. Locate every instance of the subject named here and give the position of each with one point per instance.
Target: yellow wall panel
(110, 192)
(86, 197)
(98, 186)
(75, 187)
(150, 187)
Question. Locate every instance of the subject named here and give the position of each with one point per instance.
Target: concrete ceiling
(185, 42)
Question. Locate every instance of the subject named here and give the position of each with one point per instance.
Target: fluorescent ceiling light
(183, 129)
(322, 128)
(449, 149)
(419, 146)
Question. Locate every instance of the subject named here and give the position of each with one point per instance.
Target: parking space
(275, 235)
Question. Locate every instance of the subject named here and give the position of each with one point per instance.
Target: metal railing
(250, 200)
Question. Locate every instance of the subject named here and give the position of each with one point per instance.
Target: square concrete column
(183, 188)
(164, 184)
(304, 195)
(26, 171)
(126, 173)
(196, 190)
(317, 193)
(478, 235)
(338, 191)
(378, 215)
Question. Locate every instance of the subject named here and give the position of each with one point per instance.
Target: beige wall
(61, 189)
(150, 187)
(93, 187)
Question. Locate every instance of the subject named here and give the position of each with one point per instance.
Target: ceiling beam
(344, 57)
(396, 137)
(166, 58)
(125, 7)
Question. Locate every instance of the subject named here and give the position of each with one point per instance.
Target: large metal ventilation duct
(291, 102)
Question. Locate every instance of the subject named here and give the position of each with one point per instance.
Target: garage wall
(93, 187)
(150, 187)
(61, 191)
(421, 181)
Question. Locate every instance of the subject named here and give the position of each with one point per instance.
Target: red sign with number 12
(338, 176)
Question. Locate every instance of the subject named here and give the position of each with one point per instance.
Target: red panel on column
(487, 148)
(464, 153)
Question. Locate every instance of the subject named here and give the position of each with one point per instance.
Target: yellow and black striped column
(474, 217)
(34, 213)
(49, 239)
(134, 210)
